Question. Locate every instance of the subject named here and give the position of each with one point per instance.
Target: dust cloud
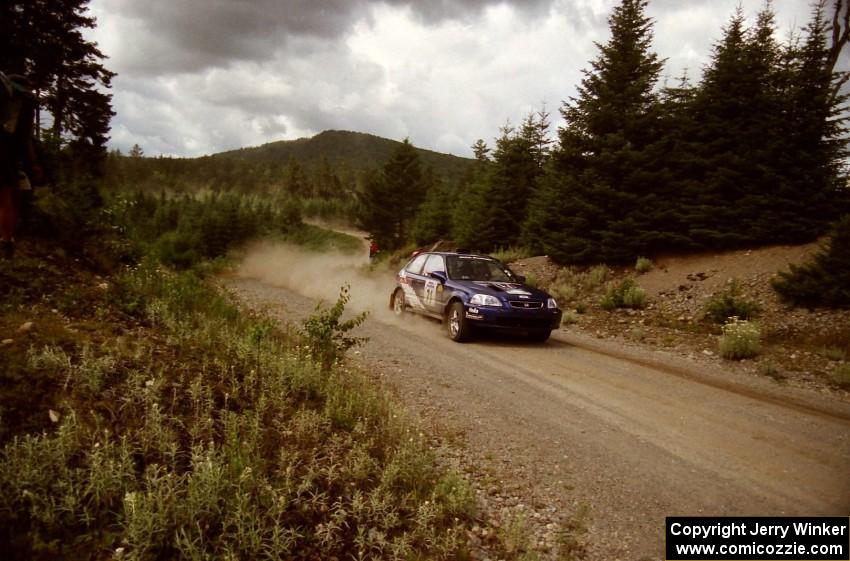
(321, 275)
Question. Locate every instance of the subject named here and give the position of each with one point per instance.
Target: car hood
(503, 290)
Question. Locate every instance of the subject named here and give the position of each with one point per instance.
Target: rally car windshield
(477, 269)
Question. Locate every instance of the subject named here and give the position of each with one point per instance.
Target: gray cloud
(201, 76)
(186, 35)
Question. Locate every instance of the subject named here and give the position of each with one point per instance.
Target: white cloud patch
(201, 77)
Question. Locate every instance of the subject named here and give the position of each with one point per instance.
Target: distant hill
(354, 150)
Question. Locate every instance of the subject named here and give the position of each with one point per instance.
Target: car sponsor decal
(411, 297)
(430, 292)
(520, 292)
(508, 287)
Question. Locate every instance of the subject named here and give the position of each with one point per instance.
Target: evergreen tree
(770, 139)
(815, 129)
(597, 200)
(825, 280)
(493, 209)
(43, 39)
(296, 180)
(739, 108)
(390, 198)
(434, 219)
(481, 151)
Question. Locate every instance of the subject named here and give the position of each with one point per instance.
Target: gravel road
(632, 434)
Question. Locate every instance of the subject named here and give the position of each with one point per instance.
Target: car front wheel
(540, 335)
(459, 329)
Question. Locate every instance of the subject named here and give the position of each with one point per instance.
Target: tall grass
(219, 436)
(623, 294)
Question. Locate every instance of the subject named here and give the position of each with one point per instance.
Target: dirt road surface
(631, 434)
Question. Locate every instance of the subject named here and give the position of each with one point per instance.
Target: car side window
(434, 263)
(416, 264)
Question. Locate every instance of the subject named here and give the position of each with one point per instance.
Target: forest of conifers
(752, 152)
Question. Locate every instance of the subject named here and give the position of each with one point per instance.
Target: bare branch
(840, 30)
(836, 88)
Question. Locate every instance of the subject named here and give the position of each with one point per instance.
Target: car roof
(458, 253)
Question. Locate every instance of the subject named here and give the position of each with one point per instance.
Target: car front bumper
(512, 319)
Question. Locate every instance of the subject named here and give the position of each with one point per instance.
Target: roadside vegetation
(740, 339)
(825, 280)
(171, 424)
(730, 303)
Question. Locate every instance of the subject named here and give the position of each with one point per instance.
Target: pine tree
(493, 209)
(815, 129)
(599, 198)
(769, 138)
(825, 279)
(434, 219)
(391, 198)
(43, 39)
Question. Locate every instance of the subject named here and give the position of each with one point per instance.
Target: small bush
(833, 353)
(634, 297)
(841, 376)
(563, 293)
(825, 280)
(740, 339)
(770, 370)
(625, 294)
(730, 303)
(643, 265)
(569, 317)
(597, 276)
(328, 336)
(511, 254)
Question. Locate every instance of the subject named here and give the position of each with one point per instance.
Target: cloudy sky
(200, 76)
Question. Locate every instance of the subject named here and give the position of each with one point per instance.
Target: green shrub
(623, 294)
(729, 303)
(597, 276)
(643, 265)
(327, 336)
(511, 254)
(569, 317)
(634, 297)
(825, 280)
(740, 339)
(833, 353)
(563, 293)
(841, 376)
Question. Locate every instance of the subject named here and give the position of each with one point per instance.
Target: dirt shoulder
(800, 348)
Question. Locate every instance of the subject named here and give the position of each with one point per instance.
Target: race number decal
(430, 292)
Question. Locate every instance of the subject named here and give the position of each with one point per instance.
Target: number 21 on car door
(430, 293)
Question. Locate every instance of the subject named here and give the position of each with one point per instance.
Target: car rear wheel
(540, 335)
(459, 329)
(398, 302)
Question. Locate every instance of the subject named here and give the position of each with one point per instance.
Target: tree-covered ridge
(327, 173)
(356, 151)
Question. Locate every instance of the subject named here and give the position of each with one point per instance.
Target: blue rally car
(469, 291)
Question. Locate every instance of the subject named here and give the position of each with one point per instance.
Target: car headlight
(485, 300)
(550, 303)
